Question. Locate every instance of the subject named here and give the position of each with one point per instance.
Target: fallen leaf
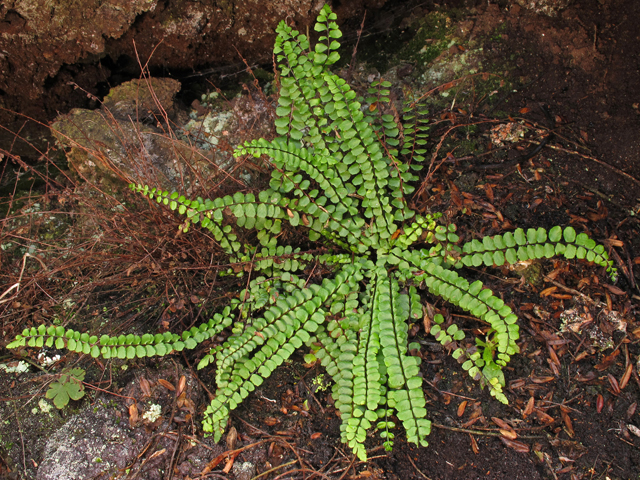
(316, 435)
(474, 445)
(510, 434)
(567, 422)
(615, 290)
(544, 417)
(461, 408)
(607, 361)
(529, 408)
(633, 429)
(166, 384)
(473, 421)
(489, 191)
(232, 438)
(516, 445)
(584, 135)
(599, 403)
(181, 384)
(181, 399)
(536, 203)
(501, 423)
(517, 383)
(614, 384)
(545, 379)
(626, 376)
(548, 291)
(270, 421)
(580, 356)
(133, 415)
(145, 386)
(554, 356)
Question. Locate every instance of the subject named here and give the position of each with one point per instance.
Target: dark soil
(573, 405)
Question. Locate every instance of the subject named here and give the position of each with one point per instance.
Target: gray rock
(93, 443)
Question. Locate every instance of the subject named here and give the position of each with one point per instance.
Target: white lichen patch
(68, 304)
(208, 129)
(15, 367)
(46, 361)
(45, 407)
(153, 413)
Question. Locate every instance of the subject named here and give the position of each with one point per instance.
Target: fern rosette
(336, 175)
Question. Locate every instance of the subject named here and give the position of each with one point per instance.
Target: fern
(337, 177)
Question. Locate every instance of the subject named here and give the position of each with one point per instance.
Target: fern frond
(405, 394)
(123, 346)
(415, 131)
(535, 244)
(281, 317)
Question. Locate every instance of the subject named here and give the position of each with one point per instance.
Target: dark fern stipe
(336, 175)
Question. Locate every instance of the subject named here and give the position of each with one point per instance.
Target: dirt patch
(582, 65)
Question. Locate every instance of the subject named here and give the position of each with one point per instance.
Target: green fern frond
(535, 244)
(415, 132)
(123, 346)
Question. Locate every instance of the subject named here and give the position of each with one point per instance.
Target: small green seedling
(68, 386)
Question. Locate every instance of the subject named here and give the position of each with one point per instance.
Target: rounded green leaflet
(570, 251)
(569, 235)
(555, 234)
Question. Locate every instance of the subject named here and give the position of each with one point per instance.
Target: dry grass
(75, 254)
